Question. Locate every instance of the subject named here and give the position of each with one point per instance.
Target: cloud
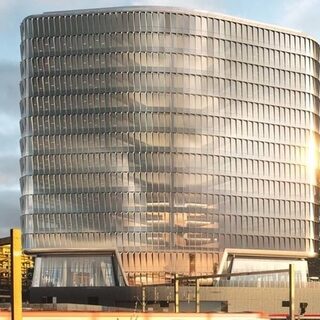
(302, 15)
(9, 89)
(9, 152)
(217, 5)
(296, 9)
(9, 172)
(9, 212)
(9, 111)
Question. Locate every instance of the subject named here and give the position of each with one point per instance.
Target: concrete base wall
(105, 296)
(231, 299)
(262, 299)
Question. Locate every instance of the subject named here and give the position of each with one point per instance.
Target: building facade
(167, 135)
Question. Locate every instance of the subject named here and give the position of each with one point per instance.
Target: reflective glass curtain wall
(169, 135)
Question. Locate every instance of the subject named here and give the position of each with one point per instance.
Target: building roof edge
(175, 10)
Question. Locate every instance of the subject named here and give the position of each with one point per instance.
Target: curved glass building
(167, 135)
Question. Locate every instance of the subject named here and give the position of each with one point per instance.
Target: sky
(302, 15)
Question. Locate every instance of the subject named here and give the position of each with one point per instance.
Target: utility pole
(291, 291)
(143, 298)
(197, 295)
(16, 278)
(176, 294)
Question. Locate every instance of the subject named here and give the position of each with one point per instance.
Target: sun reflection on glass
(311, 160)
